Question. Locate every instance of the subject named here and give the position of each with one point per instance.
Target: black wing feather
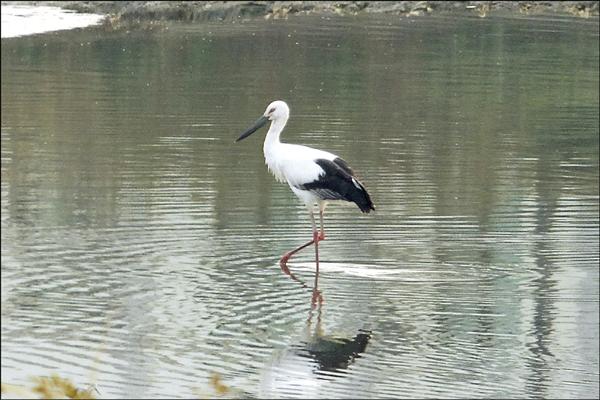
(343, 165)
(338, 183)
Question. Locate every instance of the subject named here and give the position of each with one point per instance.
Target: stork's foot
(321, 236)
(283, 262)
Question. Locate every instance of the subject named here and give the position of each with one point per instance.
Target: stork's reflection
(329, 352)
(332, 353)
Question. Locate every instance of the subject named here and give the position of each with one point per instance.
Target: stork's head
(276, 111)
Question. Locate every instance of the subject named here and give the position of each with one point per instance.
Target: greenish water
(140, 245)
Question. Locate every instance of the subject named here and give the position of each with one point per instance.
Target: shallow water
(140, 245)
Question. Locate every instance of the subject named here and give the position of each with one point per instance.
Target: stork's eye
(272, 110)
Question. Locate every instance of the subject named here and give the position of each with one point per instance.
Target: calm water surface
(140, 245)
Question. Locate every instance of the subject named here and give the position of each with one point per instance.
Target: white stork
(315, 176)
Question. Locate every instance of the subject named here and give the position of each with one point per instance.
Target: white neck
(272, 139)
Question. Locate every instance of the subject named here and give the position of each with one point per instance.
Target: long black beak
(257, 125)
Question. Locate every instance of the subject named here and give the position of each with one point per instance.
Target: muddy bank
(123, 11)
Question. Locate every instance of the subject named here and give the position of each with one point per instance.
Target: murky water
(140, 245)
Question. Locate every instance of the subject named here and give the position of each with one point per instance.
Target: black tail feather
(361, 198)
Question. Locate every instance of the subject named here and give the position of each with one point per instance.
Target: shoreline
(199, 11)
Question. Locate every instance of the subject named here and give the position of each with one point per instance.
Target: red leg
(286, 257)
(283, 261)
(317, 237)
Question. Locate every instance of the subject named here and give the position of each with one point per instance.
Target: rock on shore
(231, 10)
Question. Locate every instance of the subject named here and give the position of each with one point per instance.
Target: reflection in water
(315, 356)
(330, 352)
